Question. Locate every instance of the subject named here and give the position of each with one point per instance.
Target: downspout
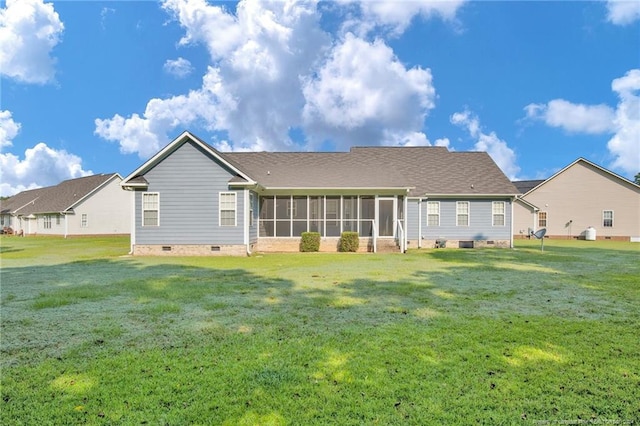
(132, 233)
(513, 199)
(247, 220)
(404, 219)
(419, 223)
(66, 225)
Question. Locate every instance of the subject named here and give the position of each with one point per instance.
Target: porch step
(387, 246)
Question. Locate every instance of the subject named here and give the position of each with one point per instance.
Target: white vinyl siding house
(90, 205)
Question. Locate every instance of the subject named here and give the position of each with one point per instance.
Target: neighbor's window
(542, 219)
(498, 210)
(84, 220)
(462, 213)
(607, 218)
(58, 219)
(47, 222)
(433, 213)
(227, 209)
(150, 209)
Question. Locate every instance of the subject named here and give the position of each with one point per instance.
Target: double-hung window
(84, 220)
(150, 209)
(542, 219)
(462, 213)
(498, 211)
(607, 218)
(433, 213)
(228, 208)
(47, 222)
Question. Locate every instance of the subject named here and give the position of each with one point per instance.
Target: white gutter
(512, 203)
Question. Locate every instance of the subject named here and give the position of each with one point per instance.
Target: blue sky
(98, 87)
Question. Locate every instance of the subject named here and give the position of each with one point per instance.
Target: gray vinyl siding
(480, 221)
(189, 183)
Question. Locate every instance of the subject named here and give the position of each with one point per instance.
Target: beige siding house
(581, 196)
(91, 205)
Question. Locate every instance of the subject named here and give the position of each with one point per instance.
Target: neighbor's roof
(55, 199)
(525, 186)
(421, 170)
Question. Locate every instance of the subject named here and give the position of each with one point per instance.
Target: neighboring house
(192, 199)
(92, 205)
(580, 196)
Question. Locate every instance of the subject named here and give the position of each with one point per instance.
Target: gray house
(190, 199)
(91, 205)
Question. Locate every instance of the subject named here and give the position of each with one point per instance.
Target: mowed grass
(92, 336)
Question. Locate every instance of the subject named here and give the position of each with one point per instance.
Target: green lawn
(93, 336)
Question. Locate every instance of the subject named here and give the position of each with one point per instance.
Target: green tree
(637, 178)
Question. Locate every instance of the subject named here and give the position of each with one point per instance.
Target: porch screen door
(386, 213)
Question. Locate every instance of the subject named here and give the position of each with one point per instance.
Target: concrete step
(387, 246)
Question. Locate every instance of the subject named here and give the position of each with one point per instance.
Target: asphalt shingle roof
(423, 170)
(525, 186)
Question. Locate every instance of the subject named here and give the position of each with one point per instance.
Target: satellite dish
(539, 234)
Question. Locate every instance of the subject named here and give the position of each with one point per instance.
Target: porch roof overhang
(341, 190)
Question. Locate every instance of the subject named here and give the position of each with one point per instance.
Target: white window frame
(459, 213)
(224, 205)
(156, 209)
(84, 220)
(605, 218)
(46, 222)
(546, 219)
(500, 212)
(433, 212)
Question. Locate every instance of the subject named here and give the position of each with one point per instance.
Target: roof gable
(136, 178)
(582, 161)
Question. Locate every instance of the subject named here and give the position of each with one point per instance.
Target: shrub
(310, 241)
(349, 241)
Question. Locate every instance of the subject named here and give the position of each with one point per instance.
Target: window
(433, 213)
(47, 222)
(84, 221)
(58, 219)
(227, 209)
(498, 210)
(607, 218)
(462, 213)
(150, 209)
(542, 219)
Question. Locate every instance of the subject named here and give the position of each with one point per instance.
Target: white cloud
(8, 129)
(364, 95)
(179, 68)
(625, 144)
(252, 90)
(623, 121)
(273, 70)
(592, 119)
(397, 16)
(29, 30)
(623, 12)
(498, 149)
(41, 166)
